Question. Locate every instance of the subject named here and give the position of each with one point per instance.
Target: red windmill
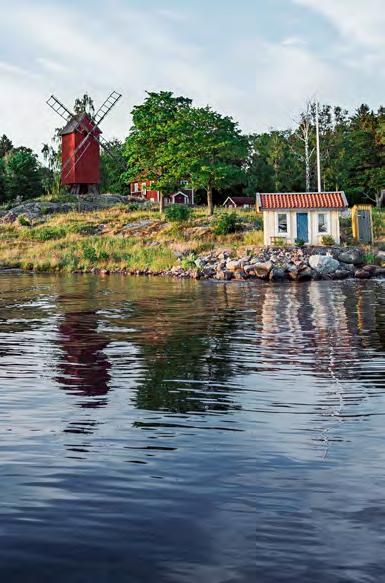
(80, 147)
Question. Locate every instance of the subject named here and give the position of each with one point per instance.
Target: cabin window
(322, 223)
(144, 187)
(282, 223)
(136, 187)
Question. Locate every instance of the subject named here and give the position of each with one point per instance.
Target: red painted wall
(85, 167)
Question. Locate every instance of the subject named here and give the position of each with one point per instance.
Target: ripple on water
(184, 431)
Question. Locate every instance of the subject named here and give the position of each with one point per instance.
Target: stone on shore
(262, 270)
(354, 256)
(323, 264)
(277, 274)
(362, 274)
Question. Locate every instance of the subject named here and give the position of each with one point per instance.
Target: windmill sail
(106, 107)
(59, 108)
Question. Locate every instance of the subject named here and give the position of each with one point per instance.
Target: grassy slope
(136, 240)
(129, 241)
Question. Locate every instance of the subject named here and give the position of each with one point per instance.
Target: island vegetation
(172, 142)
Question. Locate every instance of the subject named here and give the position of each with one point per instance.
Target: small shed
(239, 202)
(305, 216)
(362, 223)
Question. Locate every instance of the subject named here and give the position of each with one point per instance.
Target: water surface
(167, 431)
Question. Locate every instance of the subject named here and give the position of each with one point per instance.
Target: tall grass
(108, 239)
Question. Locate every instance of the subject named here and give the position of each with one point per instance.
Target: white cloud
(68, 50)
(359, 21)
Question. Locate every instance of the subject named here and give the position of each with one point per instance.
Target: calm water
(165, 431)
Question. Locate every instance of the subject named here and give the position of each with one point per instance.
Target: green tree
(3, 191)
(84, 104)
(112, 166)
(208, 149)
(147, 148)
(5, 145)
(22, 174)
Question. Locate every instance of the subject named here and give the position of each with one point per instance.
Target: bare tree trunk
(210, 205)
(380, 199)
(161, 203)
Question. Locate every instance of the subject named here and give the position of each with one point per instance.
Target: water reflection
(190, 431)
(84, 366)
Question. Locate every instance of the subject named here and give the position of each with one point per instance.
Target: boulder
(277, 274)
(292, 272)
(305, 274)
(370, 268)
(233, 265)
(208, 271)
(362, 274)
(342, 274)
(225, 275)
(262, 270)
(323, 264)
(380, 272)
(240, 275)
(354, 256)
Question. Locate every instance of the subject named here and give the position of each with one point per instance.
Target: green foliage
(259, 224)
(328, 241)
(225, 224)
(280, 242)
(22, 174)
(178, 213)
(112, 169)
(188, 262)
(299, 243)
(47, 233)
(147, 148)
(5, 145)
(23, 221)
(209, 149)
(370, 258)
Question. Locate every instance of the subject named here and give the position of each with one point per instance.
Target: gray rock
(342, 274)
(323, 264)
(262, 270)
(277, 274)
(305, 274)
(208, 271)
(225, 275)
(354, 256)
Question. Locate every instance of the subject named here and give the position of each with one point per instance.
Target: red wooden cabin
(80, 168)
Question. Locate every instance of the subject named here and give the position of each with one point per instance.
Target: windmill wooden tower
(80, 148)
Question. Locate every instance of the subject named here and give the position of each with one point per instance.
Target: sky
(256, 60)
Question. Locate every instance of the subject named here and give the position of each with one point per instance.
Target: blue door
(303, 227)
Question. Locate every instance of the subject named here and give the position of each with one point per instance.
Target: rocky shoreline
(274, 265)
(291, 264)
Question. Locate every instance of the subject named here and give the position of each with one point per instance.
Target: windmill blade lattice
(105, 108)
(59, 108)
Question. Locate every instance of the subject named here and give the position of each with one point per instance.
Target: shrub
(177, 213)
(188, 262)
(24, 221)
(299, 243)
(134, 206)
(226, 223)
(328, 241)
(259, 224)
(48, 233)
(280, 242)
